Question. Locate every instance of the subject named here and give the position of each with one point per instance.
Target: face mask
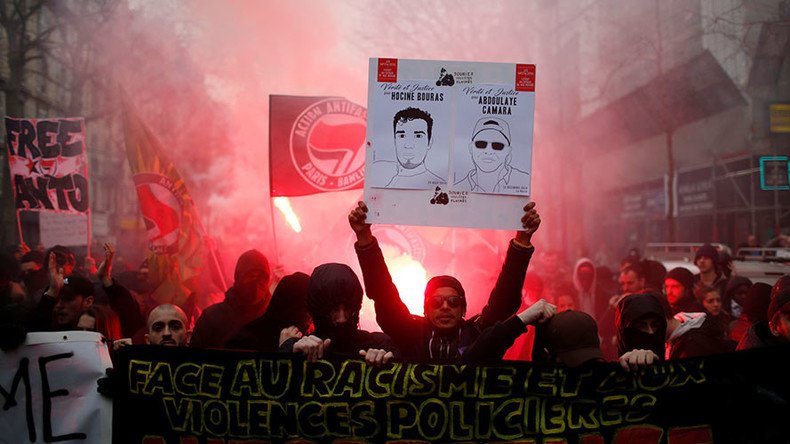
(634, 338)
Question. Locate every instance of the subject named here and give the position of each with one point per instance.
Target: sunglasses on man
(482, 144)
(452, 301)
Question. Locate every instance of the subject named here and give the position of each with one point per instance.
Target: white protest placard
(63, 229)
(449, 143)
(48, 390)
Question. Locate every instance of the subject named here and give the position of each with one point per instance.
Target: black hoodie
(635, 307)
(243, 303)
(331, 285)
(287, 308)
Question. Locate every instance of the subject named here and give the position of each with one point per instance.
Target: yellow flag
(177, 248)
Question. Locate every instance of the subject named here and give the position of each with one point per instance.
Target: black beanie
(444, 281)
(682, 275)
(707, 250)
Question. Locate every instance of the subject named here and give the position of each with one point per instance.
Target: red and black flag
(179, 252)
(316, 144)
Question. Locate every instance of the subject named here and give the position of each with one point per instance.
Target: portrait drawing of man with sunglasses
(442, 333)
(491, 151)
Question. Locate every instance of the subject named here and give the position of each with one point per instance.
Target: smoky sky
(240, 52)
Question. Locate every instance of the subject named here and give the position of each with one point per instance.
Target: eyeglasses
(452, 301)
(482, 144)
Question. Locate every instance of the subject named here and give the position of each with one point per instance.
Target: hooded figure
(734, 296)
(655, 273)
(332, 285)
(246, 300)
(591, 299)
(641, 324)
(771, 331)
(334, 299)
(754, 310)
(287, 308)
(758, 299)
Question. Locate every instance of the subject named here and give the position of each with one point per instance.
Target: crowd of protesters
(637, 315)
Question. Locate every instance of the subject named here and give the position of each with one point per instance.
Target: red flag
(316, 144)
(178, 253)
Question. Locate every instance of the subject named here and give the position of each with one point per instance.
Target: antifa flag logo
(403, 238)
(161, 211)
(327, 142)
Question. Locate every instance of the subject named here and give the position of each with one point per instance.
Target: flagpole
(274, 230)
(89, 233)
(88, 179)
(19, 227)
(212, 251)
(271, 202)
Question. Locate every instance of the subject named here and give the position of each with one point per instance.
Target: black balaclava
(252, 263)
(288, 305)
(331, 285)
(636, 307)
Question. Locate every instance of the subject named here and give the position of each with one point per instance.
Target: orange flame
(284, 205)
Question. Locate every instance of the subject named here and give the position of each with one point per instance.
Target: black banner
(179, 396)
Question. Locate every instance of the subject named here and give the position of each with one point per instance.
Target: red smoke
(211, 66)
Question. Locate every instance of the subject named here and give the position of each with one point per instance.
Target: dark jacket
(221, 321)
(243, 303)
(123, 303)
(709, 339)
(632, 308)
(286, 309)
(687, 304)
(332, 285)
(494, 341)
(758, 336)
(413, 334)
(720, 284)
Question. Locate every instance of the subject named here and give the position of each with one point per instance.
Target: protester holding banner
(632, 280)
(570, 338)
(334, 298)
(641, 326)
(443, 333)
(286, 317)
(494, 341)
(167, 326)
(644, 321)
